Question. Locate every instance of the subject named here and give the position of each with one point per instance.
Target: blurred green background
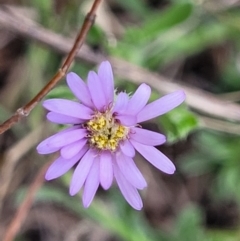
(193, 43)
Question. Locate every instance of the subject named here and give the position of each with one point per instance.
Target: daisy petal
(161, 106)
(146, 137)
(66, 138)
(69, 108)
(72, 149)
(130, 171)
(45, 148)
(106, 77)
(106, 170)
(63, 119)
(127, 120)
(96, 91)
(139, 99)
(121, 102)
(129, 192)
(91, 184)
(81, 172)
(79, 89)
(127, 148)
(60, 166)
(155, 157)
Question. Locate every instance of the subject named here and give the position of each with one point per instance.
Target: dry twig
(11, 157)
(219, 125)
(24, 208)
(25, 110)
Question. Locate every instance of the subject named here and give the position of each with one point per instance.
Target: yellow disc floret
(105, 132)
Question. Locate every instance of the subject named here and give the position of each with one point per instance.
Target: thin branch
(13, 155)
(25, 110)
(219, 125)
(24, 208)
(231, 96)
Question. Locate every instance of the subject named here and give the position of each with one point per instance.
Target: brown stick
(24, 208)
(25, 110)
(13, 155)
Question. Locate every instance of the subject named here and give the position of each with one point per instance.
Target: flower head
(105, 134)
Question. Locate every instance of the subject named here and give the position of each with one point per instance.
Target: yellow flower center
(105, 132)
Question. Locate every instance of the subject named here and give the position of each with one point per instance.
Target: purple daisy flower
(105, 134)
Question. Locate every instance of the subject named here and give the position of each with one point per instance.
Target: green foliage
(188, 225)
(44, 10)
(136, 40)
(96, 36)
(98, 212)
(61, 91)
(230, 75)
(223, 235)
(35, 78)
(178, 123)
(138, 7)
(218, 154)
(178, 44)
(120, 219)
(157, 23)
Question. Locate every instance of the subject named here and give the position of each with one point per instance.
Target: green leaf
(157, 23)
(61, 91)
(195, 164)
(95, 36)
(178, 123)
(188, 226)
(136, 41)
(137, 7)
(223, 235)
(173, 47)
